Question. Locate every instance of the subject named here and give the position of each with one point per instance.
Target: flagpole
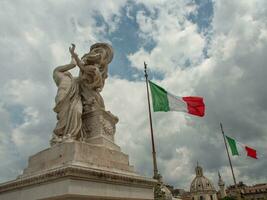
(230, 162)
(156, 174)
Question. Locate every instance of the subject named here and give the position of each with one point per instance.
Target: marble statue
(78, 99)
(83, 160)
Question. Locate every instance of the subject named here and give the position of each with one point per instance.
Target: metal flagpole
(156, 174)
(230, 162)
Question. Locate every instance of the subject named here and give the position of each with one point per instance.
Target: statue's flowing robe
(68, 108)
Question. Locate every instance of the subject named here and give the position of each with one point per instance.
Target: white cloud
(177, 40)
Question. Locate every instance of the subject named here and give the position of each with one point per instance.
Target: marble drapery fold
(68, 108)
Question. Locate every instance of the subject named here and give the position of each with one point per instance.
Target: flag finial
(145, 68)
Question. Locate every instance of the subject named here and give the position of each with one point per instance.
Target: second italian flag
(165, 101)
(233, 146)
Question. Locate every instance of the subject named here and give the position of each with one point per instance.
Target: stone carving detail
(161, 192)
(72, 171)
(108, 128)
(79, 106)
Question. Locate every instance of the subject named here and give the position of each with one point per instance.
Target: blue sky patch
(126, 40)
(16, 114)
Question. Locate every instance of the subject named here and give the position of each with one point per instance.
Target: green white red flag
(165, 101)
(233, 144)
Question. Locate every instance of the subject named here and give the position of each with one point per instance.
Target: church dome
(200, 183)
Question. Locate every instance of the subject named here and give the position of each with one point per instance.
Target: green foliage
(228, 198)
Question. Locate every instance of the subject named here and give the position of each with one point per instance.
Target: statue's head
(104, 49)
(100, 53)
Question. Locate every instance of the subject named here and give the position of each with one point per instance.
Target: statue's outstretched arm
(59, 71)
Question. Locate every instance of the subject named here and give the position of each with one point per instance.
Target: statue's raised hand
(72, 50)
(75, 58)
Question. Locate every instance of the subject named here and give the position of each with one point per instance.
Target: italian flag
(233, 146)
(165, 101)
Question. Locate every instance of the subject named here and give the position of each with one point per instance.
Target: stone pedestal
(77, 183)
(99, 127)
(78, 170)
(78, 154)
(99, 123)
(93, 168)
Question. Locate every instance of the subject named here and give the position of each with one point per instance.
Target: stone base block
(99, 122)
(79, 154)
(78, 183)
(102, 140)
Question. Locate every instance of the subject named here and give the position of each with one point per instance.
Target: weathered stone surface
(103, 141)
(74, 182)
(79, 154)
(78, 170)
(98, 123)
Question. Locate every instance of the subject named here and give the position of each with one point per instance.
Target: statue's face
(95, 56)
(97, 50)
(96, 59)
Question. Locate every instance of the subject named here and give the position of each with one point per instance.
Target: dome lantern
(199, 171)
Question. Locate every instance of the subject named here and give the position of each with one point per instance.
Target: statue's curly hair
(107, 48)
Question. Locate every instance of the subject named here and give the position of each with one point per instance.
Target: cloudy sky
(215, 49)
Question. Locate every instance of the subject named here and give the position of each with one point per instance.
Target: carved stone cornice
(81, 173)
